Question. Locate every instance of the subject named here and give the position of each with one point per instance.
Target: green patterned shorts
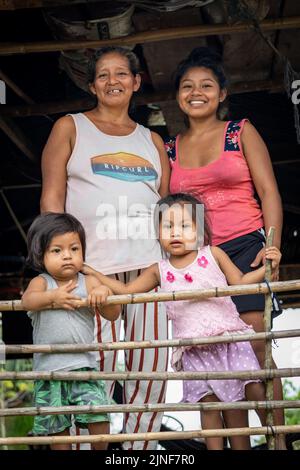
(66, 393)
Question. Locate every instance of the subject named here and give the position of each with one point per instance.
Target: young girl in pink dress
(192, 264)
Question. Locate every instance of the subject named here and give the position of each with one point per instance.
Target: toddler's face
(177, 230)
(63, 258)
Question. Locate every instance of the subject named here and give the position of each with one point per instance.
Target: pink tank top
(225, 187)
(196, 318)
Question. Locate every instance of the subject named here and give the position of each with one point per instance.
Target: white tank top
(112, 188)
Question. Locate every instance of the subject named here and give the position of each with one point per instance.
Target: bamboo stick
(123, 345)
(151, 36)
(259, 288)
(159, 407)
(268, 347)
(96, 375)
(152, 436)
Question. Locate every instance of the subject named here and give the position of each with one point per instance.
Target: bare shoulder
(217, 253)
(65, 125)
(157, 140)
(37, 283)
(249, 131)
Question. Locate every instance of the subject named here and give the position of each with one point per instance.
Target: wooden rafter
(17, 136)
(86, 103)
(21, 4)
(150, 36)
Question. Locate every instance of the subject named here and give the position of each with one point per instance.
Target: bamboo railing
(267, 374)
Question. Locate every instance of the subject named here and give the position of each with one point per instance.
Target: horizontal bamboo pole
(151, 36)
(259, 288)
(63, 375)
(148, 407)
(126, 345)
(151, 436)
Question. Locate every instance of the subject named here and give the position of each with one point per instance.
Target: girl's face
(63, 258)
(177, 230)
(199, 93)
(114, 82)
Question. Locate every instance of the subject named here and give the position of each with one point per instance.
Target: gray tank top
(63, 327)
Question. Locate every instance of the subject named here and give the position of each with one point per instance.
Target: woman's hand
(274, 255)
(259, 259)
(98, 296)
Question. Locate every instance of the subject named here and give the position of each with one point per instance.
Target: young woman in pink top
(192, 264)
(224, 163)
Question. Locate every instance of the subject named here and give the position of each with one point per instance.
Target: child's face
(177, 230)
(63, 258)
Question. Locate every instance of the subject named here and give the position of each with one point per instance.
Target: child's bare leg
(256, 320)
(61, 446)
(99, 428)
(256, 391)
(237, 419)
(212, 420)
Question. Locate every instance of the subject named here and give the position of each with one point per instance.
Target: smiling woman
(102, 162)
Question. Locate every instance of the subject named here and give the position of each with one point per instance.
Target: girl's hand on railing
(98, 296)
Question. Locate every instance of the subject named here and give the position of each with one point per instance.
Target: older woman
(109, 171)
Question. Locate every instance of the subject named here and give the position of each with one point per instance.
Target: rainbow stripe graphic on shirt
(123, 166)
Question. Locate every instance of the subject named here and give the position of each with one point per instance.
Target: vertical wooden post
(268, 349)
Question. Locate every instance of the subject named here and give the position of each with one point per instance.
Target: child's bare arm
(37, 297)
(235, 276)
(97, 296)
(146, 281)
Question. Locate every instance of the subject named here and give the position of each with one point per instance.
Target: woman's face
(199, 93)
(114, 82)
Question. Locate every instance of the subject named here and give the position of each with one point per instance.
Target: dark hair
(43, 229)
(133, 61)
(183, 198)
(201, 57)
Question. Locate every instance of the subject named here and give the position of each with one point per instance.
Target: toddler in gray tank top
(56, 248)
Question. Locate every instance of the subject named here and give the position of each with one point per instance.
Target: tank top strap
(232, 140)
(81, 289)
(51, 284)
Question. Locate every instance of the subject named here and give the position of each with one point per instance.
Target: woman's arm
(146, 281)
(261, 170)
(37, 297)
(55, 157)
(165, 167)
(235, 276)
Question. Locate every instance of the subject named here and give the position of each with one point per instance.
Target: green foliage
(290, 392)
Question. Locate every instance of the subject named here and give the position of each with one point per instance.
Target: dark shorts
(242, 252)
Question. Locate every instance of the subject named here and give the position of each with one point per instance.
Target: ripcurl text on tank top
(112, 188)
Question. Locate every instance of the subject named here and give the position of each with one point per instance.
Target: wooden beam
(21, 4)
(15, 88)
(150, 36)
(17, 137)
(83, 104)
